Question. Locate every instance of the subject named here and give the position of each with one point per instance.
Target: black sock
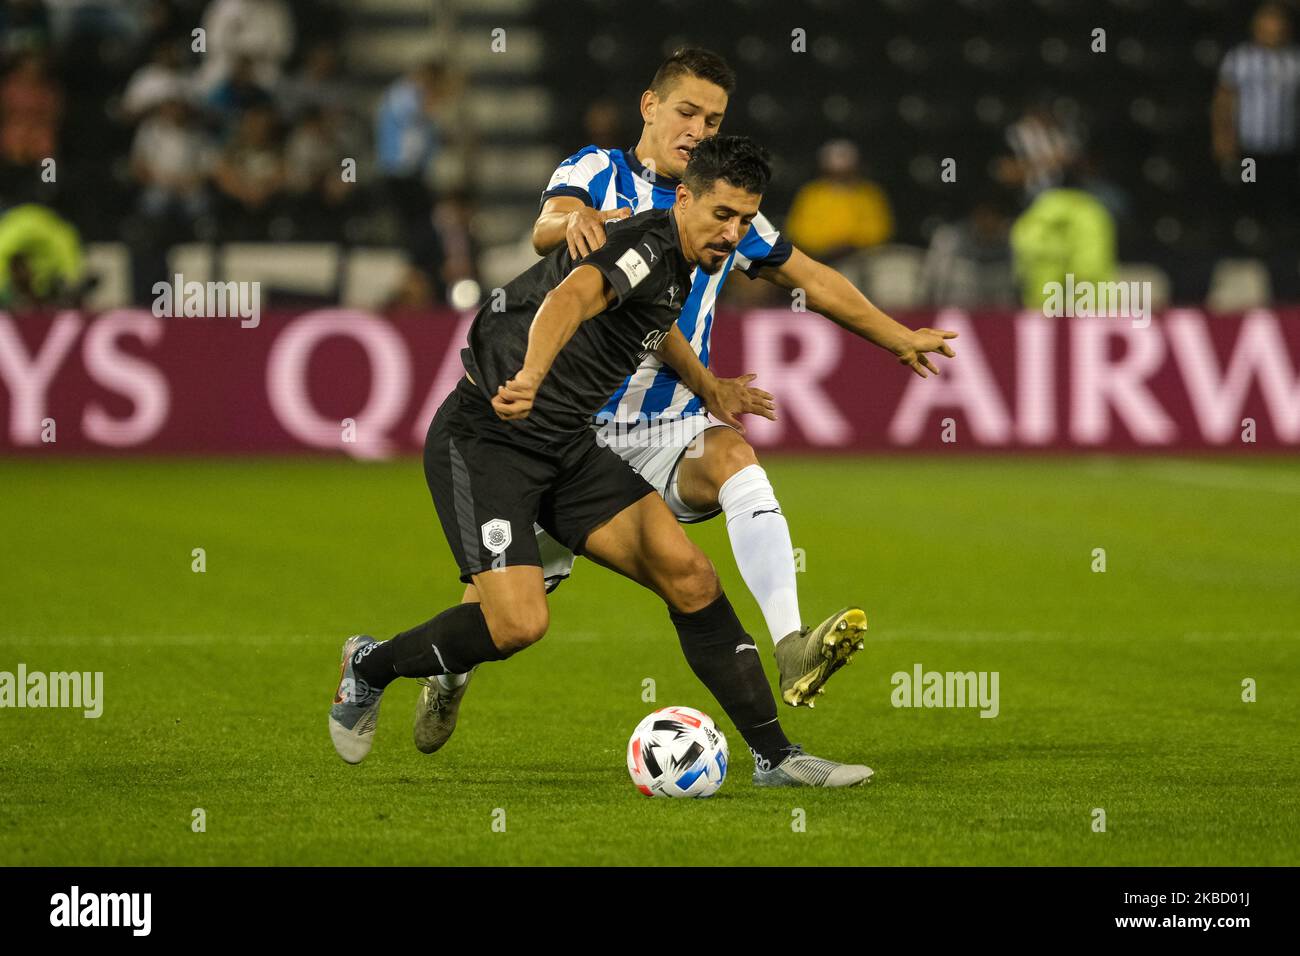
(450, 643)
(711, 639)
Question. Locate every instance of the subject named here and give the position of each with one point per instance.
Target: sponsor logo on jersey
(653, 339)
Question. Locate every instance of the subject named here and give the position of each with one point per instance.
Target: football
(677, 752)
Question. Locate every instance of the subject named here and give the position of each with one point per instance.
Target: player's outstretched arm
(567, 219)
(839, 300)
(726, 399)
(584, 293)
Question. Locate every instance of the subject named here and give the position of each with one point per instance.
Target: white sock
(760, 540)
(452, 681)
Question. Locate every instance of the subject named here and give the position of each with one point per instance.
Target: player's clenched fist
(912, 353)
(585, 229)
(514, 399)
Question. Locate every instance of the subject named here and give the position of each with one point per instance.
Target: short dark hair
(738, 160)
(694, 61)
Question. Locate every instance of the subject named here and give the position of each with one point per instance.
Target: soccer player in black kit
(513, 445)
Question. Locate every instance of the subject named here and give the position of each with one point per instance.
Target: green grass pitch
(1119, 690)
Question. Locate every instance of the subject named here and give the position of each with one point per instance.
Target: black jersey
(642, 260)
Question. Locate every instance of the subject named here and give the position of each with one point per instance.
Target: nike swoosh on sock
(741, 647)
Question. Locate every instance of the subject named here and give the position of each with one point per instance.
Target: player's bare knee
(730, 455)
(526, 630)
(692, 582)
(517, 628)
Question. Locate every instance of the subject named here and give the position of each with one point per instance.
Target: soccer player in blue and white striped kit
(657, 420)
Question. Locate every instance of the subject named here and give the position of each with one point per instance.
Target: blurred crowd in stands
(1049, 211)
(157, 122)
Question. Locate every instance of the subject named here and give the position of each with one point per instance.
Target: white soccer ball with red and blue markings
(677, 752)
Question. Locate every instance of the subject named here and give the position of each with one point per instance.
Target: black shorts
(489, 487)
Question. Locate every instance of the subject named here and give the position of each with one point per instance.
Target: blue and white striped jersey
(1267, 83)
(616, 179)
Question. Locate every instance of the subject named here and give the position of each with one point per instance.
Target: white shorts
(654, 451)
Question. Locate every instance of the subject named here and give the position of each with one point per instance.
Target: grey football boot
(806, 661)
(355, 711)
(435, 712)
(799, 769)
